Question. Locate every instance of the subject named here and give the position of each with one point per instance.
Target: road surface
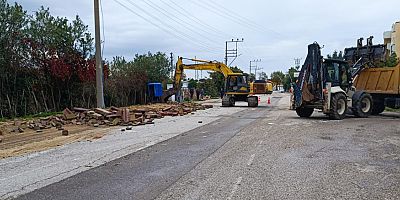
(256, 153)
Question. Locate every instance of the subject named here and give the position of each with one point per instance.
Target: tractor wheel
(338, 106)
(378, 107)
(304, 112)
(363, 106)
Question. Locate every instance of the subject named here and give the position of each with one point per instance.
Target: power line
(176, 19)
(102, 26)
(195, 21)
(178, 34)
(228, 14)
(244, 21)
(221, 14)
(169, 26)
(183, 11)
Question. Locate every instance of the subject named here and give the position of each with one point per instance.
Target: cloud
(274, 31)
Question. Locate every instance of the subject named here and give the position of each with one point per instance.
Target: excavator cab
(237, 83)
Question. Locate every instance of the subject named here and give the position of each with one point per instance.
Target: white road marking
(250, 161)
(235, 187)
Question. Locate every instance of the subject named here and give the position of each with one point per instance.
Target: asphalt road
(262, 153)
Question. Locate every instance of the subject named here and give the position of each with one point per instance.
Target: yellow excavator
(237, 86)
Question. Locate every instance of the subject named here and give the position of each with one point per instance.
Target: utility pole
(254, 61)
(196, 72)
(257, 68)
(99, 61)
(231, 53)
(297, 63)
(172, 65)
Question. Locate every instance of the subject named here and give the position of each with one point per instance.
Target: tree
(156, 66)
(341, 55)
(192, 84)
(335, 55)
(289, 78)
(236, 69)
(277, 78)
(46, 62)
(252, 77)
(262, 76)
(392, 61)
(128, 79)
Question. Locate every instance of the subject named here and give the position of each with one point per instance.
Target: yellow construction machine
(237, 86)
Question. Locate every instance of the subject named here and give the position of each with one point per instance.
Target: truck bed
(384, 80)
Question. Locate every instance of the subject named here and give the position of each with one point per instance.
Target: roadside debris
(65, 133)
(113, 116)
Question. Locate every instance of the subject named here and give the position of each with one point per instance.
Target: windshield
(337, 74)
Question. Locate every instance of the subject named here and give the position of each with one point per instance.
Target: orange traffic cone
(269, 100)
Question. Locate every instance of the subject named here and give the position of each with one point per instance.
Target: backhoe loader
(327, 84)
(237, 86)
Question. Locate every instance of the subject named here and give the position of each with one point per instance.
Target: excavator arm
(200, 65)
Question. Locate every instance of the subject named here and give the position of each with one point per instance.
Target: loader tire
(304, 112)
(338, 106)
(362, 107)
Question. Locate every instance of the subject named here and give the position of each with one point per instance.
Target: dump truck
(373, 75)
(237, 85)
(260, 87)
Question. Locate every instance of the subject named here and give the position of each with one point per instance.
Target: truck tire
(362, 107)
(338, 106)
(252, 101)
(304, 112)
(378, 106)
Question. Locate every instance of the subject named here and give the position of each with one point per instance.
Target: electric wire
(226, 15)
(240, 17)
(176, 19)
(102, 26)
(181, 10)
(170, 27)
(222, 15)
(177, 35)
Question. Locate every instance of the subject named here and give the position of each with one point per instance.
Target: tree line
(47, 63)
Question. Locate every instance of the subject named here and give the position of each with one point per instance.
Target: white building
(392, 39)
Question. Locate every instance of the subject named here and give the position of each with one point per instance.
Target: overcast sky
(274, 31)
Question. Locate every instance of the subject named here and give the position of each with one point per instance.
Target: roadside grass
(30, 117)
(392, 110)
(41, 114)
